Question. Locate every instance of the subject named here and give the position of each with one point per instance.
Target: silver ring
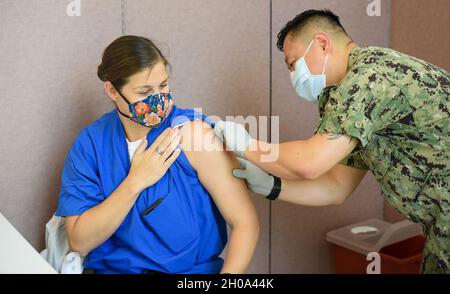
(159, 151)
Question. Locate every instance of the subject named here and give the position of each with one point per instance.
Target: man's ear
(110, 90)
(325, 42)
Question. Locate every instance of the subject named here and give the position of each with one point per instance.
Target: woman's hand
(90, 229)
(148, 166)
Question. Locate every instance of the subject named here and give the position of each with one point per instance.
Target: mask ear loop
(325, 65)
(326, 58)
(307, 49)
(126, 100)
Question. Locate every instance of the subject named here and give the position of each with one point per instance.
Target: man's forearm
(317, 192)
(332, 188)
(278, 165)
(302, 159)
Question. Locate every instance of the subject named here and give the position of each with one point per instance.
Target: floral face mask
(150, 111)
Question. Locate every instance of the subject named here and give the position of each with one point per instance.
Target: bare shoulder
(199, 143)
(198, 136)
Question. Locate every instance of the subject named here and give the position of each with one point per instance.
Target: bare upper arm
(214, 166)
(346, 180)
(70, 222)
(327, 150)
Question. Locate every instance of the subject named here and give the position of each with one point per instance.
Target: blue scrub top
(184, 234)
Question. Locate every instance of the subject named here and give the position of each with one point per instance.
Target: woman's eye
(163, 86)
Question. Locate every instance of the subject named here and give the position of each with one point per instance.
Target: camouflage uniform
(398, 107)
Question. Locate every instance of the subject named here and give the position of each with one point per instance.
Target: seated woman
(131, 208)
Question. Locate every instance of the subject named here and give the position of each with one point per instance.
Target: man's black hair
(298, 22)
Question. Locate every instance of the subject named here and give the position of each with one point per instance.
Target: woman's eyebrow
(141, 87)
(148, 86)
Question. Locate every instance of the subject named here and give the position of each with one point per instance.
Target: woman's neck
(133, 131)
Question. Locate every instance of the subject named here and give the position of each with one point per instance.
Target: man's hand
(257, 180)
(234, 135)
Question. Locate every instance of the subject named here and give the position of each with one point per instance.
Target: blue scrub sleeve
(80, 184)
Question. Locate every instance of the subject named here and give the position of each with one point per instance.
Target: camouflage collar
(323, 98)
(353, 56)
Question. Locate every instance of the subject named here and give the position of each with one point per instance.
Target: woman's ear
(110, 90)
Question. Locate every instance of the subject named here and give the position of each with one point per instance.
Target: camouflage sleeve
(354, 160)
(361, 105)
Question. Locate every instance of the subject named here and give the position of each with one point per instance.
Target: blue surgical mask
(306, 84)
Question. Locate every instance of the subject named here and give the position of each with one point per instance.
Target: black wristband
(276, 188)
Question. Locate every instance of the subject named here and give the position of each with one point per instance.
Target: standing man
(380, 110)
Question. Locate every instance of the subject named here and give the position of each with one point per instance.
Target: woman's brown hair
(126, 56)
